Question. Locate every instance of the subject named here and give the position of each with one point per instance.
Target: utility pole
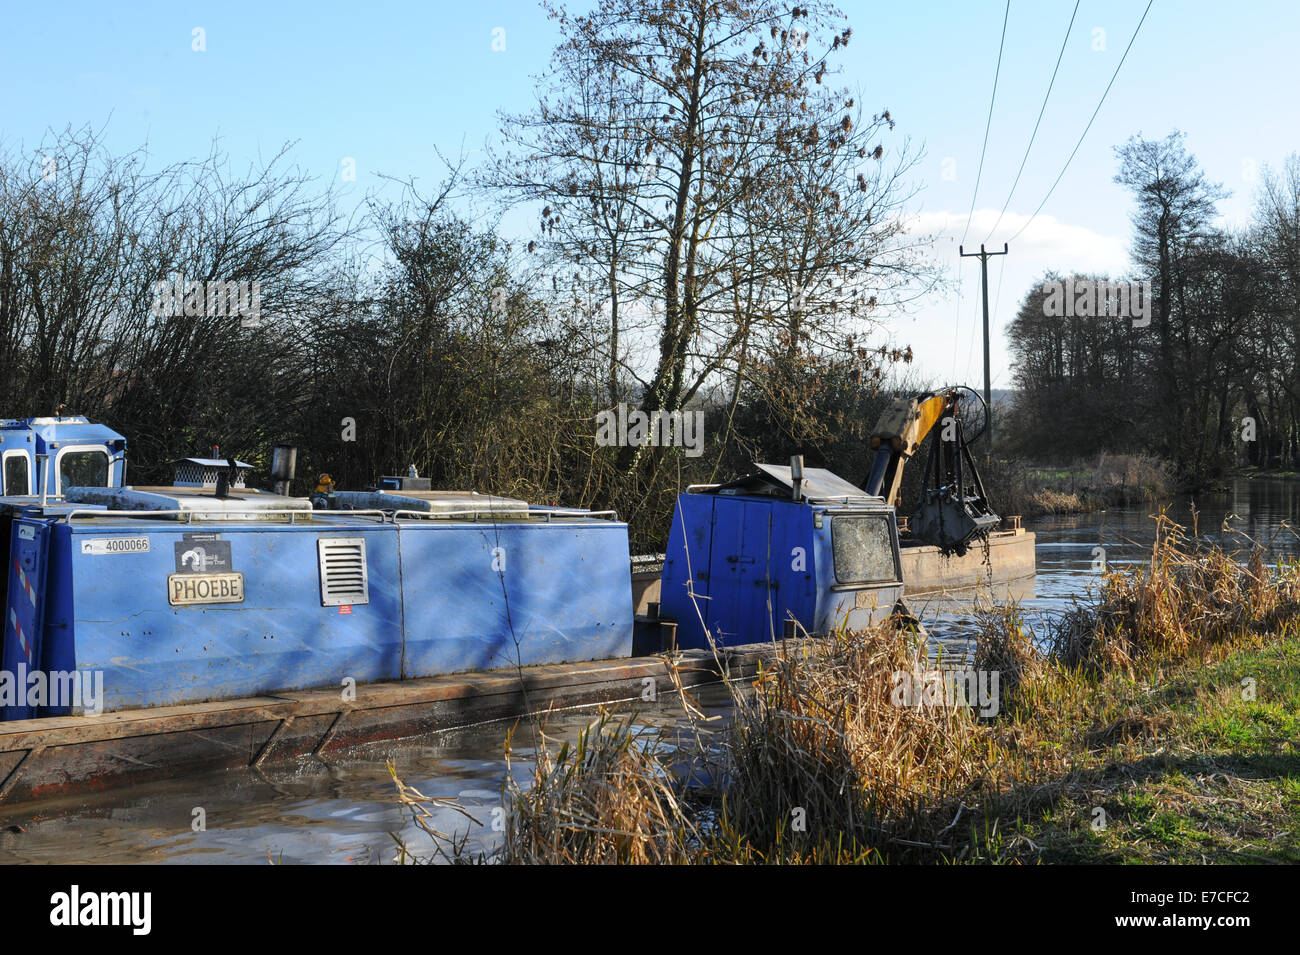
(984, 282)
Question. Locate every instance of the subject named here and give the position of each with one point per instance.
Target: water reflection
(317, 812)
(1072, 550)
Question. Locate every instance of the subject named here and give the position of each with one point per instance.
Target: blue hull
(440, 597)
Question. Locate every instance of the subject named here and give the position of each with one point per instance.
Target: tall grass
(1188, 601)
(608, 797)
(821, 764)
(822, 760)
(1005, 643)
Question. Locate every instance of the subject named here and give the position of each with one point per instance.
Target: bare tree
(695, 153)
(1175, 210)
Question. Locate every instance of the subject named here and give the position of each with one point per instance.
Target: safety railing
(849, 500)
(191, 515)
(475, 514)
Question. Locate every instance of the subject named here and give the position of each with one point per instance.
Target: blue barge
(207, 624)
(170, 595)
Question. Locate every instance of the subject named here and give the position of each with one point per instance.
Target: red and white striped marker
(22, 640)
(27, 584)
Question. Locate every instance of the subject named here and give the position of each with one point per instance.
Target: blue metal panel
(794, 565)
(684, 593)
(482, 596)
(761, 549)
(736, 611)
(24, 613)
(58, 654)
(754, 565)
(111, 610)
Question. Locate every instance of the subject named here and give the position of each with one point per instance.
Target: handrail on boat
(190, 514)
(489, 513)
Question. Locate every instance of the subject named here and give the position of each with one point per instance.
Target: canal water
(345, 811)
(1072, 549)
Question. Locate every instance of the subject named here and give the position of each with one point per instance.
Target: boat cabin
(207, 589)
(773, 554)
(50, 455)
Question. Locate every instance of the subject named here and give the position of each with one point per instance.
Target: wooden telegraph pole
(984, 282)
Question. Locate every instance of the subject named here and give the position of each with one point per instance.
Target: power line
(1090, 121)
(1041, 111)
(1002, 267)
(996, 72)
(1006, 15)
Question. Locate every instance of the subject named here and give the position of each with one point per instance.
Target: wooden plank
(79, 753)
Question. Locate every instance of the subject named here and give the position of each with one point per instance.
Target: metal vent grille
(343, 577)
(190, 473)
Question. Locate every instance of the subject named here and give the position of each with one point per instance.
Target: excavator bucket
(952, 522)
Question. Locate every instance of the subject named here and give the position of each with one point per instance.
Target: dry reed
(823, 764)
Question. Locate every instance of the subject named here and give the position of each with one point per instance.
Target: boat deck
(1009, 557)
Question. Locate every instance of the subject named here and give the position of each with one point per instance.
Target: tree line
(1209, 377)
(719, 227)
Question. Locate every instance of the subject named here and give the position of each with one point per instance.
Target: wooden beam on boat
(65, 755)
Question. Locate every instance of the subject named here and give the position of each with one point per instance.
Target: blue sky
(389, 84)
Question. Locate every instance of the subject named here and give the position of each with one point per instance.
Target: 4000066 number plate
(186, 589)
(115, 545)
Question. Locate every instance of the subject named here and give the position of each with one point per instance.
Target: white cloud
(944, 330)
(1046, 244)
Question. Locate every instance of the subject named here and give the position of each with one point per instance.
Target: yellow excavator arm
(953, 509)
(897, 436)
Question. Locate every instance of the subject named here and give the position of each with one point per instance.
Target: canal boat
(207, 624)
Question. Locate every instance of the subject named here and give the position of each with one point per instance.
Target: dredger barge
(152, 631)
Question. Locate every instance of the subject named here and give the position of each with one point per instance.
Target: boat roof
(68, 429)
(239, 504)
(460, 503)
(819, 486)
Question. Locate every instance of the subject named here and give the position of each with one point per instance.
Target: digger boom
(953, 509)
(897, 436)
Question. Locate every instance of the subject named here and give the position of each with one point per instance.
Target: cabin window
(863, 548)
(82, 469)
(16, 480)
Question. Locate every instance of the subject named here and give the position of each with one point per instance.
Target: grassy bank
(1160, 723)
(1113, 480)
(1179, 769)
